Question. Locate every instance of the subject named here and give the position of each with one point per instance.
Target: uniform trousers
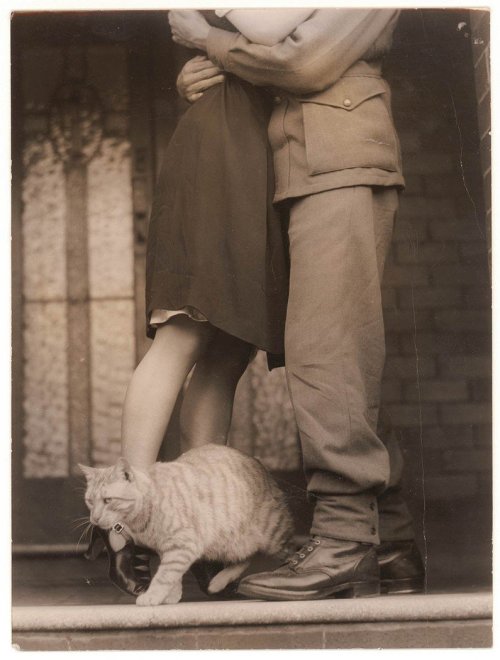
(335, 353)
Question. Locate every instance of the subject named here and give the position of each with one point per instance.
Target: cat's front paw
(152, 597)
(149, 598)
(174, 595)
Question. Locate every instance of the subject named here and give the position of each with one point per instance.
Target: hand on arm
(189, 28)
(196, 76)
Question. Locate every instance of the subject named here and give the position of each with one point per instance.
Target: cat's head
(113, 494)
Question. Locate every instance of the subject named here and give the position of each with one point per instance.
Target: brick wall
(480, 46)
(436, 289)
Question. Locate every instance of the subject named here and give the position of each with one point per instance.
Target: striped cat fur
(212, 503)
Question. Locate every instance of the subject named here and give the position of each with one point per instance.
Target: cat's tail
(227, 577)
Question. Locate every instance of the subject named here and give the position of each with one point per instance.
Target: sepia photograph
(251, 327)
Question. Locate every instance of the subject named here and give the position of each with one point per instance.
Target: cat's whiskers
(78, 526)
(84, 534)
(79, 522)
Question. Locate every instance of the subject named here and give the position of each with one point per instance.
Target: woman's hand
(196, 76)
(189, 28)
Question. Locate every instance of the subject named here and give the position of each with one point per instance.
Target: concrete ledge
(428, 608)
(406, 635)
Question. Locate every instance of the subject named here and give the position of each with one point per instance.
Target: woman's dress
(216, 246)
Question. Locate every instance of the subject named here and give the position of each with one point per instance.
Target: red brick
(481, 389)
(442, 185)
(478, 343)
(463, 320)
(436, 391)
(414, 185)
(485, 487)
(477, 297)
(429, 297)
(432, 343)
(388, 297)
(410, 143)
(474, 251)
(483, 435)
(406, 367)
(407, 321)
(413, 415)
(450, 487)
(422, 208)
(446, 274)
(434, 163)
(409, 230)
(470, 366)
(466, 413)
(477, 460)
(457, 230)
(392, 343)
(435, 133)
(449, 437)
(391, 391)
(432, 461)
(409, 275)
(426, 253)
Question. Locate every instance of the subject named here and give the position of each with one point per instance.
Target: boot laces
(303, 552)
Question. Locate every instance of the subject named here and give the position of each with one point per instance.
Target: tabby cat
(212, 503)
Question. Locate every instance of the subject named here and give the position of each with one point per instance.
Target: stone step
(424, 621)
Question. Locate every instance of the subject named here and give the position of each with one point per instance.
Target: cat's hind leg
(226, 576)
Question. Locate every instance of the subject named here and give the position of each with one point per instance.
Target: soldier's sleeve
(310, 59)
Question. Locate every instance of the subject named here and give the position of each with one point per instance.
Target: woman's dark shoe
(96, 544)
(129, 568)
(401, 568)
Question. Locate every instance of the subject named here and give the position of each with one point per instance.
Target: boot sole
(346, 590)
(402, 586)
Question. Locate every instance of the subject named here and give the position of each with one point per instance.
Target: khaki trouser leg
(395, 521)
(335, 352)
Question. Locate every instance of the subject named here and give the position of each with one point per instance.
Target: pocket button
(347, 103)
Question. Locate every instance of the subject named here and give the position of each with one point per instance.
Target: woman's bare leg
(155, 385)
(208, 401)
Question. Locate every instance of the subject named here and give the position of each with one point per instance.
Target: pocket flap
(349, 92)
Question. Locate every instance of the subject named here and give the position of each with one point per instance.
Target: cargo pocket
(350, 125)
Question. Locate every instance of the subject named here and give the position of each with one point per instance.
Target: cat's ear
(88, 471)
(123, 470)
